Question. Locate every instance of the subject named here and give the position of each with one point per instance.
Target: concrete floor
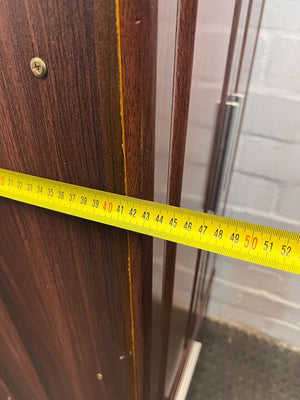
(235, 364)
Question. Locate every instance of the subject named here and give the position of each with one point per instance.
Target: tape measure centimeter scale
(245, 241)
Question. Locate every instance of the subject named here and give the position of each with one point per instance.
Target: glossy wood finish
(18, 372)
(183, 64)
(66, 283)
(4, 391)
(138, 43)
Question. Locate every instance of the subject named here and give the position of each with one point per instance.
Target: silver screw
(38, 67)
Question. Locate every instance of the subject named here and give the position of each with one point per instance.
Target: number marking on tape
(238, 239)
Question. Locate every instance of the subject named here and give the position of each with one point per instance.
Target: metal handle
(225, 157)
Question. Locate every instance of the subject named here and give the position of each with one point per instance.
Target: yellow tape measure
(250, 242)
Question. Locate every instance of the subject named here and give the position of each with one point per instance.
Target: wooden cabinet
(74, 292)
(76, 296)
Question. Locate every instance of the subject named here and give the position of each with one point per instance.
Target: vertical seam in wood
(118, 26)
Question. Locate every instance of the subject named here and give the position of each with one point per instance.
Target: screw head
(99, 377)
(38, 67)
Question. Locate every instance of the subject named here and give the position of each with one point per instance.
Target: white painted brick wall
(265, 185)
(288, 204)
(279, 119)
(278, 59)
(272, 159)
(282, 15)
(262, 195)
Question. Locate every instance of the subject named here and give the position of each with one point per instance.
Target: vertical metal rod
(218, 195)
(183, 63)
(222, 107)
(228, 136)
(235, 105)
(220, 188)
(214, 157)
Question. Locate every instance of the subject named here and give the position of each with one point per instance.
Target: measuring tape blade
(242, 240)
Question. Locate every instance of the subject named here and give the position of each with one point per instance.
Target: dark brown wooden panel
(138, 26)
(64, 281)
(4, 391)
(19, 379)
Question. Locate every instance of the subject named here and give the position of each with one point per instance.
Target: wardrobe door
(73, 289)
(205, 57)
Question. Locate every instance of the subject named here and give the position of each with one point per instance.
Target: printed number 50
(253, 242)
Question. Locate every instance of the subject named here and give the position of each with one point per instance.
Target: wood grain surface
(65, 281)
(19, 374)
(4, 391)
(138, 44)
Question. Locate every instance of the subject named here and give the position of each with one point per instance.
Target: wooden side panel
(138, 28)
(19, 378)
(64, 281)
